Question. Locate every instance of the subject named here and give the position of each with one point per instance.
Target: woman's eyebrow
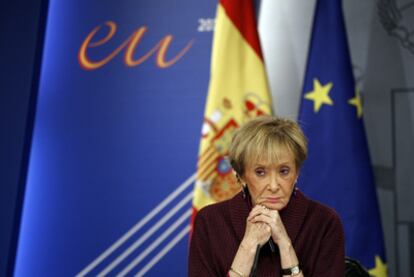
(273, 163)
(259, 165)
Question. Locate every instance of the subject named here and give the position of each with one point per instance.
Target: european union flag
(338, 171)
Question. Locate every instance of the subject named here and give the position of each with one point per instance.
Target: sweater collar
(292, 215)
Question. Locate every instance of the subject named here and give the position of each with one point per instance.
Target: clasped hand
(263, 224)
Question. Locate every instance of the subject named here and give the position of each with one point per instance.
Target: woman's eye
(284, 171)
(260, 172)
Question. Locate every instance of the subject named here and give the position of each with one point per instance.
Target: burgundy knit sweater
(314, 229)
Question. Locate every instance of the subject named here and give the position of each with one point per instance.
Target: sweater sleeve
(331, 256)
(200, 262)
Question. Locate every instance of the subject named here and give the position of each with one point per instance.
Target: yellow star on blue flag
(319, 95)
(356, 101)
(380, 269)
(338, 170)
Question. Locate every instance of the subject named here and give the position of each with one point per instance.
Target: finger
(268, 211)
(264, 219)
(267, 231)
(275, 213)
(271, 213)
(267, 228)
(256, 214)
(262, 229)
(258, 209)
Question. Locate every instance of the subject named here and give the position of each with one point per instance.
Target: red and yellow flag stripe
(238, 91)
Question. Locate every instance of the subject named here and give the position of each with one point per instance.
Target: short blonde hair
(264, 138)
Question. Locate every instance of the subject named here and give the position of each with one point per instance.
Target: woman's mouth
(272, 200)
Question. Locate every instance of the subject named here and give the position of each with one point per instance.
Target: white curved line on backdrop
(137, 226)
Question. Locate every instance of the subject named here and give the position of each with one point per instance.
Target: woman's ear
(235, 168)
(243, 185)
(297, 177)
(237, 176)
(295, 185)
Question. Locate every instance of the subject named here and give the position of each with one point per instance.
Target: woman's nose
(273, 184)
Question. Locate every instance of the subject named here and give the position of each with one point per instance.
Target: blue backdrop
(112, 143)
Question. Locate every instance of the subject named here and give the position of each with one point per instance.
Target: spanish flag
(238, 91)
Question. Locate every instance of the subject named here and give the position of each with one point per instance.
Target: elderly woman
(269, 228)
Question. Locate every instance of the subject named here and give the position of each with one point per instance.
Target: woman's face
(272, 184)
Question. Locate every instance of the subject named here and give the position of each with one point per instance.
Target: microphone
(272, 245)
(255, 262)
(256, 257)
